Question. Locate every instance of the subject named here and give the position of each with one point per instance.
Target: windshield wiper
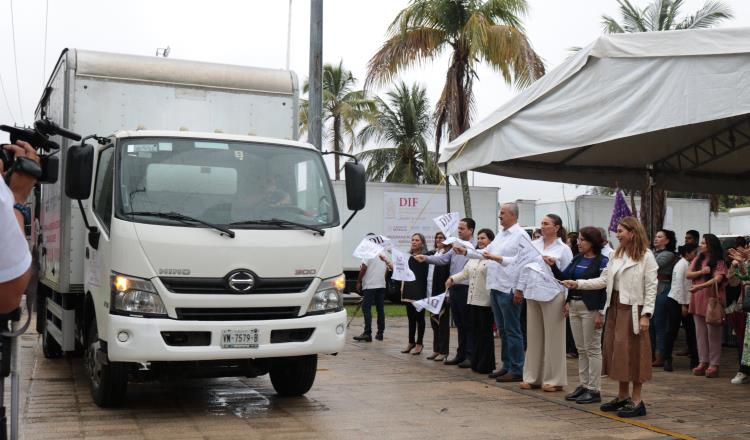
(278, 222)
(184, 219)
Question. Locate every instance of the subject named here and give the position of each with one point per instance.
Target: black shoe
(466, 363)
(379, 336)
(632, 410)
(510, 378)
(364, 337)
(589, 397)
(668, 365)
(576, 393)
(615, 404)
(453, 361)
(497, 373)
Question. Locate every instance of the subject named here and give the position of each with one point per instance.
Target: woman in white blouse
(545, 364)
(678, 301)
(483, 360)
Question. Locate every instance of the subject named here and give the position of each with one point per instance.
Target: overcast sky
(255, 33)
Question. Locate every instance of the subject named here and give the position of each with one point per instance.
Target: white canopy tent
(674, 105)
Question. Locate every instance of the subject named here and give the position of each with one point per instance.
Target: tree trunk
(465, 193)
(653, 221)
(337, 145)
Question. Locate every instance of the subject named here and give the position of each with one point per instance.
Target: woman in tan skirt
(630, 278)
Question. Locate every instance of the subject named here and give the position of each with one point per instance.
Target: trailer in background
(593, 210)
(400, 210)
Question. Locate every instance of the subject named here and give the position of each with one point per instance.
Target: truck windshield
(245, 185)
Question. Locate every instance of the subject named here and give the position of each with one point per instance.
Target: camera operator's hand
(21, 184)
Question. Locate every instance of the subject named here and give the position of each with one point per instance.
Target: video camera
(38, 137)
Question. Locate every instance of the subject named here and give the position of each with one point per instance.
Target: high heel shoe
(418, 349)
(408, 348)
(700, 370)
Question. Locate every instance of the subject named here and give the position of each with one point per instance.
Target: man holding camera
(15, 258)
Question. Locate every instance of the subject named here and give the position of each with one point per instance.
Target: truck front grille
(237, 314)
(218, 286)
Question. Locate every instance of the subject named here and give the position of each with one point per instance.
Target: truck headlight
(327, 298)
(135, 296)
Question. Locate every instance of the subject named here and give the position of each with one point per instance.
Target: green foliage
(473, 31)
(663, 15)
(403, 122)
(344, 107)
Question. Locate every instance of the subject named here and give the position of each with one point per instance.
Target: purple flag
(621, 211)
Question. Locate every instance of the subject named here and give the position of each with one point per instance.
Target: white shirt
(374, 275)
(558, 250)
(15, 257)
(538, 283)
(431, 272)
(607, 250)
(680, 290)
(503, 276)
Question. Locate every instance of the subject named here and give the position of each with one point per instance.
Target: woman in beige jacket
(630, 278)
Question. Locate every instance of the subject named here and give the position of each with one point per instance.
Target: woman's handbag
(715, 314)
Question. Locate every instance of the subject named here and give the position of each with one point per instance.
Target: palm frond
(413, 46)
(611, 26)
(505, 11)
(712, 13)
(509, 51)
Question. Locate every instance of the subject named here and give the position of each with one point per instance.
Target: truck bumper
(145, 341)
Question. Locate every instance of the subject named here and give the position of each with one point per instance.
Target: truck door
(98, 260)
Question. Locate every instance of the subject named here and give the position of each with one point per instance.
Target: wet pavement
(371, 390)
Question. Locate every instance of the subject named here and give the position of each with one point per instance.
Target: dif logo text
(409, 202)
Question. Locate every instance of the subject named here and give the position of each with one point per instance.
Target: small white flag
(464, 244)
(432, 304)
(448, 223)
(367, 249)
(401, 271)
(381, 240)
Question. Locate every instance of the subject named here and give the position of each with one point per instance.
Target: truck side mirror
(79, 164)
(355, 186)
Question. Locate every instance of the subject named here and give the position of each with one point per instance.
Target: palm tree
(405, 123)
(473, 31)
(343, 108)
(663, 15)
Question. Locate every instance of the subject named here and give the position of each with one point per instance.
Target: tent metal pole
(650, 180)
(447, 190)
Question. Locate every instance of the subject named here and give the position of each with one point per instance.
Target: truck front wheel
(293, 376)
(108, 381)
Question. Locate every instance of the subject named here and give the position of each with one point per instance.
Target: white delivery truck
(399, 210)
(169, 245)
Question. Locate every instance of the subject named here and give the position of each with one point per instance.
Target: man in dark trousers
(458, 294)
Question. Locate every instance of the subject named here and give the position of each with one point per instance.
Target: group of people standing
(624, 306)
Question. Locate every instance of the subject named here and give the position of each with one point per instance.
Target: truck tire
(293, 376)
(108, 382)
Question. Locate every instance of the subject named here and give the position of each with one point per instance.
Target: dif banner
(406, 213)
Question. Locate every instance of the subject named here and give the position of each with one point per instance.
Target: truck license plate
(247, 338)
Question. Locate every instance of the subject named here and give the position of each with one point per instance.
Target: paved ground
(371, 391)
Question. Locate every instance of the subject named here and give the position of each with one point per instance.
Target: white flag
(448, 223)
(462, 243)
(433, 304)
(401, 271)
(367, 249)
(381, 240)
